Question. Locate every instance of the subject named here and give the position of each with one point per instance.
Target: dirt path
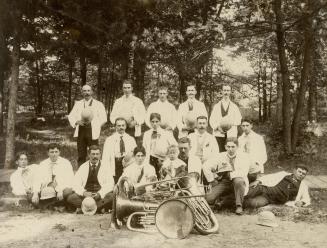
(70, 231)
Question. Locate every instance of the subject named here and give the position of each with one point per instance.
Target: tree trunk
(13, 86)
(70, 84)
(286, 84)
(259, 98)
(83, 67)
(99, 75)
(2, 74)
(279, 101)
(307, 51)
(264, 95)
(39, 89)
(139, 73)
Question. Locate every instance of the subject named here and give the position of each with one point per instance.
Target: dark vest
(223, 111)
(92, 183)
(289, 187)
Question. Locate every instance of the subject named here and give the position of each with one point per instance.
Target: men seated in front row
(280, 188)
(93, 179)
(54, 177)
(116, 147)
(156, 142)
(21, 181)
(252, 143)
(193, 163)
(227, 174)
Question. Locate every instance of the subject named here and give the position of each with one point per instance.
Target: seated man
(172, 166)
(54, 173)
(21, 181)
(280, 188)
(93, 179)
(233, 181)
(193, 163)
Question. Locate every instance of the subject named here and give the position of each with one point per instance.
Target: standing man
(203, 144)
(53, 174)
(131, 108)
(225, 114)
(188, 111)
(93, 179)
(227, 175)
(87, 117)
(252, 143)
(116, 147)
(193, 163)
(166, 110)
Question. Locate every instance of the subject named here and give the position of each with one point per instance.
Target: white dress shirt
(22, 180)
(254, 145)
(127, 108)
(203, 145)
(111, 149)
(99, 116)
(60, 173)
(166, 110)
(233, 114)
(198, 110)
(134, 173)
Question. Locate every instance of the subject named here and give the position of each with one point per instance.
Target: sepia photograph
(163, 123)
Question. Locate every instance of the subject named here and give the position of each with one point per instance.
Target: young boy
(172, 166)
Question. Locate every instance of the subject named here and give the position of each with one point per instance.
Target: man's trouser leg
(221, 143)
(256, 202)
(75, 200)
(84, 134)
(118, 169)
(239, 190)
(155, 163)
(106, 202)
(217, 191)
(253, 177)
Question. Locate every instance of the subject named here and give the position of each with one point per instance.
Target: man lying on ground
(93, 179)
(54, 177)
(21, 181)
(280, 188)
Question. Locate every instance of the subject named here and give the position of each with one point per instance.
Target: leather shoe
(239, 210)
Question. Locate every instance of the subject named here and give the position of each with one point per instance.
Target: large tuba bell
(205, 220)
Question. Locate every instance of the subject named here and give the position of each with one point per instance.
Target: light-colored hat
(89, 206)
(267, 218)
(48, 193)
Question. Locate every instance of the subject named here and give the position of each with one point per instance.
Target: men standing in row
(203, 144)
(93, 179)
(116, 147)
(87, 117)
(188, 112)
(166, 110)
(227, 174)
(252, 143)
(225, 113)
(55, 174)
(131, 108)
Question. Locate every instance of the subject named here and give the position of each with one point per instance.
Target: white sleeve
(214, 117)
(114, 112)
(73, 116)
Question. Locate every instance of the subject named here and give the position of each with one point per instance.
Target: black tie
(140, 176)
(122, 145)
(190, 106)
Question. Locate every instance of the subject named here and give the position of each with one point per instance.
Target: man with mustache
(227, 112)
(87, 117)
(188, 111)
(116, 147)
(93, 179)
(193, 163)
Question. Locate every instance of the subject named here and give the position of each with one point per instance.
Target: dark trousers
(260, 196)
(156, 164)
(84, 140)
(118, 169)
(253, 177)
(75, 200)
(221, 143)
(226, 187)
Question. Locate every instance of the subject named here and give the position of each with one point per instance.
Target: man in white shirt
(93, 179)
(131, 108)
(203, 144)
(87, 117)
(227, 175)
(55, 172)
(280, 188)
(166, 110)
(225, 111)
(21, 181)
(116, 147)
(252, 143)
(188, 111)
(193, 163)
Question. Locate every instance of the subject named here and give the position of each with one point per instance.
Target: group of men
(231, 167)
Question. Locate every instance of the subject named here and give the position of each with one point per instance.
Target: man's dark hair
(234, 140)
(139, 149)
(184, 140)
(201, 117)
(53, 146)
(163, 87)
(20, 154)
(247, 120)
(302, 166)
(93, 148)
(128, 81)
(120, 119)
(155, 115)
